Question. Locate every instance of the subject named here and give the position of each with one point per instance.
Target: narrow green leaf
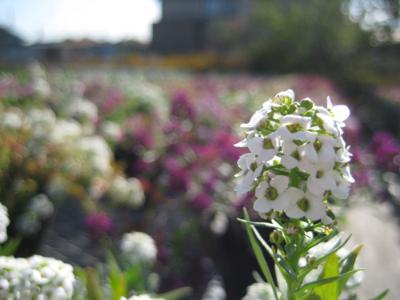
(347, 264)
(93, 285)
(329, 291)
(278, 259)
(381, 295)
(176, 294)
(260, 224)
(324, 257)
(10, 247)
(260, 256)
(316, 241)
(314, 284)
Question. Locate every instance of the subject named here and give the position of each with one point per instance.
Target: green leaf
(347, 264)
(278, 259)
(329, 291)
(323, 258)
(381, 295)
(93, 284)
(177, 294)
(312, 285)
(260, 224)
(116, 278)
(10, 247)
(260, 256)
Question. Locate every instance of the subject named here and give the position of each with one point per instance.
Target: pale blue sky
(55, 20)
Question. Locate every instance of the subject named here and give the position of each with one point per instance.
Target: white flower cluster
(36, 277)
(4, 221)
(259, 291)
(139, 247)
(127, 191)
(297, 157)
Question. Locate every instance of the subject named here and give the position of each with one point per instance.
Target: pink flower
(98, 223)
(202, 201)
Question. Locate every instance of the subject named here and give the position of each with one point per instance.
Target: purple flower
(202, 201)
(385, 149)
(181, 107)
(179, 178)
(98, 223)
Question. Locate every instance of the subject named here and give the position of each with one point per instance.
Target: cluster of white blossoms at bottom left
(4, 221)
(36, 277)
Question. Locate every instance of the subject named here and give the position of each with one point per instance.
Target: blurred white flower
(98, 152)
(127, 191)
(4, 222)
(41, 206)
(64, 130)
(111, 131)
(214, 291)
(219, 223)
(11, 120)
(139, 247)
(82, 110)
(259, 291)
(39, 82)
(36, 277)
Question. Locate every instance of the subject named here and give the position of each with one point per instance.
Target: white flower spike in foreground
(297, 157)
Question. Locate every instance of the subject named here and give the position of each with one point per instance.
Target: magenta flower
(181, 107)
(98, 223)
(385, 149)
(179, 177)
(202, 201)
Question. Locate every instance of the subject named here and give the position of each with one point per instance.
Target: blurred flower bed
(153, 152)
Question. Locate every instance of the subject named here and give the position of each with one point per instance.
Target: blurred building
(187, 25)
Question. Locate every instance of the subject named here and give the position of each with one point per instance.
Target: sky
(56, 20)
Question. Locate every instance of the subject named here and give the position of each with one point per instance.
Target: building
(187, 25)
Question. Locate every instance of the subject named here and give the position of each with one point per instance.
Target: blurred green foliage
(305, 35)
(326, 37)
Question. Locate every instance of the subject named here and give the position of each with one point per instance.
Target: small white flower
(302, 122)
(269, 195)
(250, 169)
(320, 182)
(256, 118)
(303, 204)
(264, 147)
(285, 94)
(340, 112)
